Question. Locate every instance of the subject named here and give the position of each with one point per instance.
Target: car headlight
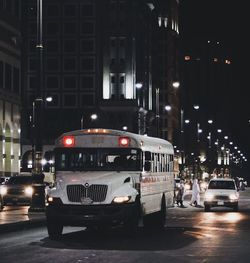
(3, 190)
(121, 199)
(233, 196)
(209, 196)
(28, 190)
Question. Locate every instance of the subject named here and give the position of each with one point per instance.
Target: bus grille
(96, 192)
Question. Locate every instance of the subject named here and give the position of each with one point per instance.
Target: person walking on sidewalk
(180, 194)
(195, 199)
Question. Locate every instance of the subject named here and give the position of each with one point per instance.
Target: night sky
(226, 21)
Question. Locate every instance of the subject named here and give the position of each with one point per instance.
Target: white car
(221, 192)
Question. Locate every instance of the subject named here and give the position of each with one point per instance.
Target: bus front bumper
(87, 215)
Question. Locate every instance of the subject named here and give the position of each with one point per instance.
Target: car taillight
(124, 141)
(68, 141)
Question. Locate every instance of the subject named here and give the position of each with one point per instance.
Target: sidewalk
(18, 218)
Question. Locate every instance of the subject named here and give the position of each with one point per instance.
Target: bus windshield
(98, 159)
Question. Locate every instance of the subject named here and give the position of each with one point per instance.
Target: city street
(191, 235)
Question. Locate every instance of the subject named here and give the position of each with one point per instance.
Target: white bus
(105, 177)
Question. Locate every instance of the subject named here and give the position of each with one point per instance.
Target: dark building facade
(113, 58)
(207, 76)
(10, 88)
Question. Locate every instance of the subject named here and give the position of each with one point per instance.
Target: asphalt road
(191, 235)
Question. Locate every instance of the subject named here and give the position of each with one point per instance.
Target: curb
(22, 225)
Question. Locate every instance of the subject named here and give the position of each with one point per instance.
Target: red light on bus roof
(124, 141)
(68, 141)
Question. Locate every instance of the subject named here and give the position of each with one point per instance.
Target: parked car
(221, 192)
(17, 190)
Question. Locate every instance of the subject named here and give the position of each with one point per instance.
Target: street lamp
(38, 197)
(176, 84)
(37, 110)
(168, 108)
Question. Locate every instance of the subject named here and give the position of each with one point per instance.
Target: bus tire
(156, 220)
(55, 229)
(207, 208)
(160, 218)
(236, 208)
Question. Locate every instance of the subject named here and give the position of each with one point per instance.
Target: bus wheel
(236, 208)
(207, 208)
(156, 220)
(54, 229)
(160, 217)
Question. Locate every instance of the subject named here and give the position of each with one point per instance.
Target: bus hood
(117, 183)
(93, 177)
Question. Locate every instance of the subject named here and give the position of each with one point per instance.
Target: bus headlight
(121, 199)
(3, 190)
(28, 190)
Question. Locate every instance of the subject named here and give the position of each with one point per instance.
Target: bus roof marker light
(68, 141)
(124, 141)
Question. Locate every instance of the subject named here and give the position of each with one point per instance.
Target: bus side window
(167, 164)
(147, 164)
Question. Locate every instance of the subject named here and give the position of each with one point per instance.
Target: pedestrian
(180, 194)
(195, 199)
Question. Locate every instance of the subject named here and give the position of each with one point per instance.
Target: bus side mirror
(147, 156)
(147, 166)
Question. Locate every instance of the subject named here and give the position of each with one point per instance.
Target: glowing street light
(168, 108)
